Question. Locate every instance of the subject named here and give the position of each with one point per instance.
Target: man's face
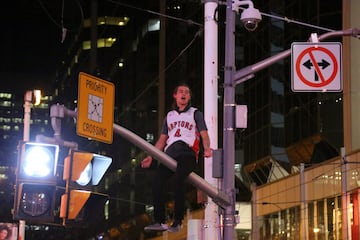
(182, 96)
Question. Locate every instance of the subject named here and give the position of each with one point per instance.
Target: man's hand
(146, 163)
(207, 152)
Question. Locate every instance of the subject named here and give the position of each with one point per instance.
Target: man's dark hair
(182, 85)
(173, 106)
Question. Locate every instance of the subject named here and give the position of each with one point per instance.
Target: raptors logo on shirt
(182, 126)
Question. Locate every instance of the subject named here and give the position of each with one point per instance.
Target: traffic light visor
(88, 167)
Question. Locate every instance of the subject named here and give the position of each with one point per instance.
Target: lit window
(3, 176)
(6, 127)
(102, 42)
(86, 45)
(5, 120)
(5, 103)
(114, 21)
(17, 120)
(151, 26)
(5, 95)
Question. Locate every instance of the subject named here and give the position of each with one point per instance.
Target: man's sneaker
(175, 227)
(156, 227)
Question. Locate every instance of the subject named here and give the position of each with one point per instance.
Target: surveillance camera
(250, 17)
(250, 24)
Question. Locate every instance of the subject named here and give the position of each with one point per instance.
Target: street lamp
(31, 97)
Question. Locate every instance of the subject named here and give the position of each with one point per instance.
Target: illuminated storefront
(320, 202)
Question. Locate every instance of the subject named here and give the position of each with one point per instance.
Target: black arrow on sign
(323, 64)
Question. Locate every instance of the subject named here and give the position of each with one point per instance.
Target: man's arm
(160, 144)
(201, 125)
(206, 143)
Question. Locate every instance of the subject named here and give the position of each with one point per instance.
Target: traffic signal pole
(59, 111)
(231, 79)
(229, 123)
(26, 137)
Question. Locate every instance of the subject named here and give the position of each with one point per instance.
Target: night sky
(31, 47)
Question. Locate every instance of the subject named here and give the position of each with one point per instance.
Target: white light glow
(85, 176)
(37, 162)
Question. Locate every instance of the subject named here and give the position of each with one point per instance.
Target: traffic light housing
(83, 171)
(35, 187)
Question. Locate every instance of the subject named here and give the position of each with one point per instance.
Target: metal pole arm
(248, 72)
(59, 111)
(218, 197)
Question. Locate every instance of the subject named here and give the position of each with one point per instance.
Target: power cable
(188, 21)
(289, 20)
(61, 24)
(129, 201)
(152, 83)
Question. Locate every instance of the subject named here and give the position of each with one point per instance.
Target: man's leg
(186, 165)
(161, 176)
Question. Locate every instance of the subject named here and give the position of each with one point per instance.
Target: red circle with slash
(323, 81)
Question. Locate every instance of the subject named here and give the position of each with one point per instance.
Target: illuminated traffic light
(36, 182)
(82, 171)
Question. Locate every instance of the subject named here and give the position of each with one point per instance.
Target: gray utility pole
(229, 123)
(232, 78)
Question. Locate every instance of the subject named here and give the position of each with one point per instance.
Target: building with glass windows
(317, 197)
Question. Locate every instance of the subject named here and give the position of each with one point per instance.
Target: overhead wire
(61, 25)
(188, 21)
(152, 83)
(289, 20)
(191, 22)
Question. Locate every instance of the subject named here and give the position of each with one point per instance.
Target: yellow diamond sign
(95, 108)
